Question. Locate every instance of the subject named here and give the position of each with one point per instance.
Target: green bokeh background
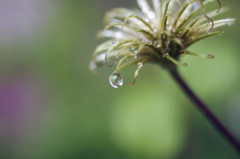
(67, 112)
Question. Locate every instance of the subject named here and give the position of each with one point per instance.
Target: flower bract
(159, 31)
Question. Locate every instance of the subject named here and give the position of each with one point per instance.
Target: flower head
(160, 34)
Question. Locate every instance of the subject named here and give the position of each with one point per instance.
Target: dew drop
(150, 42)
(165, 54)
(122, 40)
(93, 66)
(115, 42)
(230, 23)
(140, 40)
(140, 65)
(134, 50)
(115, 80)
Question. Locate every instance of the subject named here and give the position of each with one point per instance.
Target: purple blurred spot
(21, 100)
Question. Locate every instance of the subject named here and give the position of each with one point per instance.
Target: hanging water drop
(133, 50)
(116, 80)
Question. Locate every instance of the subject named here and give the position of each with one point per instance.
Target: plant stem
(217, 124)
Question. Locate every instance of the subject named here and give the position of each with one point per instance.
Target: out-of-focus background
(52, 107)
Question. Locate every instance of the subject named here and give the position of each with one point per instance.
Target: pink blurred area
(22, 93)
(22, 101)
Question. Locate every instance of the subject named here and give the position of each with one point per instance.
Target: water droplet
(93, 66)
(150, 42)
(158, 45)
(140, 65)
(140, 40)
(231, 22)
(116, 80)
(134, 50)
(115, 42)
(165, 54)
(122, 40)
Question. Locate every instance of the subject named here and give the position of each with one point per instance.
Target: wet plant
(161, 34)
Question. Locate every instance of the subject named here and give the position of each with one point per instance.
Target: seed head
(159, 34)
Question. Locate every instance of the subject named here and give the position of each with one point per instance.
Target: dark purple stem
(206, 112)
